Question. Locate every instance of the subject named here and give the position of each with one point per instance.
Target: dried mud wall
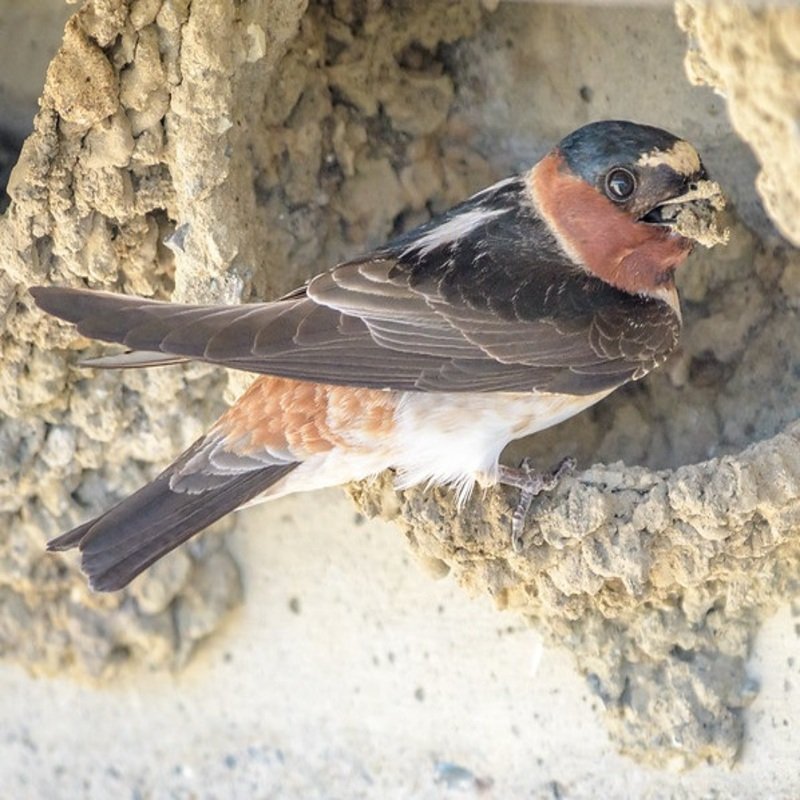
(177, 143)
(202, 152)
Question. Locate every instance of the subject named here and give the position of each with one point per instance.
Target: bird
(514, 310)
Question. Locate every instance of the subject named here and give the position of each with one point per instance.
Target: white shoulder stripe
(452, 229)
(495, 186)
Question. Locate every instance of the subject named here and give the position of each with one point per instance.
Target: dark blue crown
(593, 149)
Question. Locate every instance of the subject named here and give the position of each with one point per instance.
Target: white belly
(457, 438)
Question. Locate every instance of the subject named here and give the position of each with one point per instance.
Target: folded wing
(480, 300)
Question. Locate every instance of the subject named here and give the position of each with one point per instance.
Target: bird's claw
(530, 482)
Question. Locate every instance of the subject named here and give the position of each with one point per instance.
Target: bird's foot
(530, 483)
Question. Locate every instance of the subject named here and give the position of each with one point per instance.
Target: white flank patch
(681, 157)
(452, 230)
(453, 439)
(457, 439)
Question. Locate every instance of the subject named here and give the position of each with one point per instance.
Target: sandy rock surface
(204, 152)
(751, 56)
(168, 157)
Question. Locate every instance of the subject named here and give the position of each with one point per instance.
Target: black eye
(620, 184)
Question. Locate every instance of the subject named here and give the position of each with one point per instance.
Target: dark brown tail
(191, 493)
(135, 533)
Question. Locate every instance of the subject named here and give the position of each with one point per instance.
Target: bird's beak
(693, 214)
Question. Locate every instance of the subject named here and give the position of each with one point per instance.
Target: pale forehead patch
(681, 157)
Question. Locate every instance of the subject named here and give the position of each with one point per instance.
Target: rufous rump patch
(303, 419)
(601, 237)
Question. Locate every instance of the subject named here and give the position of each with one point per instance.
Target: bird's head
(627, 202)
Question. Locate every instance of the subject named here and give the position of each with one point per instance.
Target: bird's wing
(482, 299)
(205, 483)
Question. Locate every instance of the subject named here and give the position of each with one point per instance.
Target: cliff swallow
(518, 308)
